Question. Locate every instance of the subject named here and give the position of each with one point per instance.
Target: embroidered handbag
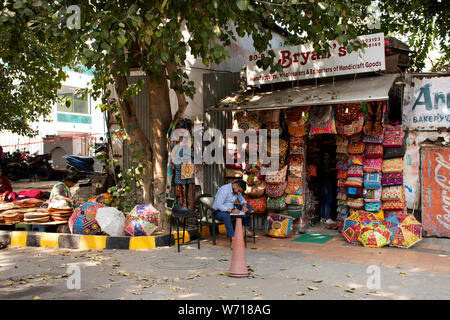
(352, 128)
(341, 149)
(259, 205)
(294, 211)
(395, 152)
(187, 170)
(392, 179)
(341, 196)
(354, 182)
(341, 183)
(372, 195)
(249, 120)
(355, 138)
(279, 226)
(275, 190)
(393, 136)
(341, 141)
(354, 159)
(394, 165)
(296, 171)
(355, 171)
(347, 113)
(297, 121)
(271, 120)
(322, 120)
(342, 174)
(394, 205)
(341, 156)
(252, 178)
(233, 173)
(372, 206)
(276, 203)
(342, 202)
(355, 203)
(296, 145)
(372, 165)
(294, 188)
(257, 190)
(372, 180)
(296, 159)
(373, 151)
(277, 176)
(294, 180)
(355, 148)
(374, 113)
(294, 199)
(373, 139)
(341, 165)
(282, 148)
(393, 193)
(355, 192)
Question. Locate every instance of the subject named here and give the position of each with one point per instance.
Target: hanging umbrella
(139, 227)
(375, 238)
(405, 229)
(354, 223)
(111, 221)
(146, 212)
(83, 219)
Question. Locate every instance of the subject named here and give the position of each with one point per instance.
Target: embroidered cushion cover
(275, 189)
(372, 180)
(392, 179)
(394, 165)
(279, 226)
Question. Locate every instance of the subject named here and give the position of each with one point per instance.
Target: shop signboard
(301, 62)
(435, 164)
(426, 103)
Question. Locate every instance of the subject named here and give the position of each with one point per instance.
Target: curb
(94, 242)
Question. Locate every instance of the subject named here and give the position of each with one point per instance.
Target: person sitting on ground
(224, 205)
(60, 197)
(6, 190)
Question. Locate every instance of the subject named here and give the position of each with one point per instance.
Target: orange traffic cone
(238, 265)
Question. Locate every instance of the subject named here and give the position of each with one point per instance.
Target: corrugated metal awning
(344, 91)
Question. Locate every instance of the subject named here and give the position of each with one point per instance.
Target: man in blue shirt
(224, 205)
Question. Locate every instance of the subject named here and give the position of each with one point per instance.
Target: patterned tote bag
(372, 180)
(393, 136)
(277, 176)
(297, 121)
(394, 165)
(322, 120)
(392, 179)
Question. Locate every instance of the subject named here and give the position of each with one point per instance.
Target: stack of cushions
(342, 142)
(355, 173)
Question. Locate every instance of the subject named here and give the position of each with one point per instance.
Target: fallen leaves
(402, 274)
(37, 298)
(300, 293)
(317, 281)
(312, 288)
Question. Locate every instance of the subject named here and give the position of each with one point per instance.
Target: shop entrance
(321, 177)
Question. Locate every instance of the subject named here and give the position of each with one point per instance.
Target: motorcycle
(22, 165)
(40, 166)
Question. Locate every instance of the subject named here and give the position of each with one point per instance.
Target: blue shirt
(225, 198)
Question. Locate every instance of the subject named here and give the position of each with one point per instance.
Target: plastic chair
(178, 213)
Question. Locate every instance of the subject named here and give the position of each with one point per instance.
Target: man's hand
(244, 208)
(235, 211)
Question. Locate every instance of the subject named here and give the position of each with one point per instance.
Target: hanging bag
(372, 165)
(322, 120)
(394, 165)
(392, 179)
(297, 121)
(277, 176)
(393, 136)
(259, 205)
(372, 180)
(373, 151)
(249, 120)
(275, 190)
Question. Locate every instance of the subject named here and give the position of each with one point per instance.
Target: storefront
(341, 143)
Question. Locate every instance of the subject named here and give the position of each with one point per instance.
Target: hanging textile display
(297, 121)
(322, 120)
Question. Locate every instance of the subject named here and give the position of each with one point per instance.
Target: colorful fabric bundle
(342, 174)
(256, 190)
(355, 171)
(282, 148)
(393, 193)
(394, 165)
(372, 206)
(392, 179)
(372, 165)
(294, 199)
(352, 128)
(297, 121)
(259, 205)
(276, 203)
(393, 136)
(279, 226)
(372, 151)
(354, 182)
(294, 188)
(249, 120)
(354, 159)
(355, 148)
(372, 180)
(277, 176)
(372, 195)
(355, 192)
(355, 203)
(275, 190)
(322, 120)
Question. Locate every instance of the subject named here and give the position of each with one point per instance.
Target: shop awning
(343, 91)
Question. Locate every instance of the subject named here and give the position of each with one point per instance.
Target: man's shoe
(249, 233)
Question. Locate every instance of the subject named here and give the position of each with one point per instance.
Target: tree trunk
(136, 136)
(161, 117)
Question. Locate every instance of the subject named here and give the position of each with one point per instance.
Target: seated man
(6, 190)
(224, 205)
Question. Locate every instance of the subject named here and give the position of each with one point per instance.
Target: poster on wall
(301, 62)
(435, 164)
(426, 104)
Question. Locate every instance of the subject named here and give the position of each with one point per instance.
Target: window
(78, 105)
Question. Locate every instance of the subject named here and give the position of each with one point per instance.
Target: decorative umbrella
(354, 223)
(139, 227)
(111, 221)
(83, 219)
(405, 229)
(146, 212)
(375, 238)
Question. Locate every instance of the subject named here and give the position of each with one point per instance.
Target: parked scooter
(80, 165)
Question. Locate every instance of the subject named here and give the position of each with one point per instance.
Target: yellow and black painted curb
(97, 242)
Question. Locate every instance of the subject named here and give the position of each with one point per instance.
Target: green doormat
(315, 238)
